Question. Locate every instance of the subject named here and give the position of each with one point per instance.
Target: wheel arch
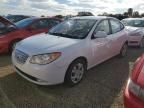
(78, 58)
(12, 41)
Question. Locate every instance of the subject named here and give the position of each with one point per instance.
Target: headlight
(45, 58)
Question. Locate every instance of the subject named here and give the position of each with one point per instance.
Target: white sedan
(135, 27)
(69, 49)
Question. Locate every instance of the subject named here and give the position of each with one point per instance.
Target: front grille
(21, 57)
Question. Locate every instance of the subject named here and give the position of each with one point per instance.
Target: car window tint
(103, 26)
(115, 26)
(138, 23)
(52, 22)
(2, 25)
(40, 24)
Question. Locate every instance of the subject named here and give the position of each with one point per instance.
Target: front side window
(115, 26)
(103, 26)
(73, 28)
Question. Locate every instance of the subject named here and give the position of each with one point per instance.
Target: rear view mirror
(100, 34)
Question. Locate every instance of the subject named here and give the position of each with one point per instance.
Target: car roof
(35, 18)
(19, 15)
(93, 17)
(133, 19)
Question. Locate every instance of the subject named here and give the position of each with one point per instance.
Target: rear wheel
(75, 72)
(123, 50)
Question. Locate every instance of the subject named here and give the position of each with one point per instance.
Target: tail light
(133, 85)
(137, 68)
(136, 90)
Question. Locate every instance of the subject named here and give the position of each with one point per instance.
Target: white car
(69, 49)
(135, 27)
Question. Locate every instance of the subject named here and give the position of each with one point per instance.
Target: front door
(101, 46)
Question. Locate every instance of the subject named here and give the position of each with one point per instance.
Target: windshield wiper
(57, 34)
(64, 35)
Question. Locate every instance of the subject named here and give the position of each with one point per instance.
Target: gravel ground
(101, 88)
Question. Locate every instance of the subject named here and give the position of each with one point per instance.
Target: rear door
(118, 36)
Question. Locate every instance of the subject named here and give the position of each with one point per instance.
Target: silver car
(135, 27)
(69, 49)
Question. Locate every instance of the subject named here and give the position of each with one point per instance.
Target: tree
(58, 16)
(136, 14)
(125, 14)
(105, 14)
(142, 15)
(130, 12)
(42, 16)
(85, 14)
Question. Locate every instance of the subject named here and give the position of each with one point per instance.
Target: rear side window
(116, 26)
(45, 23)
(40, 24)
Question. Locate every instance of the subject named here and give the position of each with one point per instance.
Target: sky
(66, 7)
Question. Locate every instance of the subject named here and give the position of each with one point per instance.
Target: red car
(134, 91)
(11, 33)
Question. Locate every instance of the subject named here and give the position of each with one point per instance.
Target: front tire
(123, 51)
(75, 72)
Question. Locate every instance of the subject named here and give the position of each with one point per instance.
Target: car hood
(135, 29)
(44, 43)
(6, 21)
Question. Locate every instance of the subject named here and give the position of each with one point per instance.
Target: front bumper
(49, 74)
(134, 40)
(131, 101)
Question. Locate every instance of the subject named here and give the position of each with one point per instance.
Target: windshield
(134, 23)
(73, 28)
(23, 23)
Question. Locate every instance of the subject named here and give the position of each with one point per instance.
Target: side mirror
(100, 34)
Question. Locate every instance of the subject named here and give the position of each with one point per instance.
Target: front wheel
(123, 50)
(75, 72)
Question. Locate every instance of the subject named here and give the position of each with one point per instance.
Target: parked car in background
(69, 49)
(16, 18)
(11, 33)
(135, 28)
(134, 91)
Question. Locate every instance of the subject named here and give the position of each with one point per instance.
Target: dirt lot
(102, 87)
